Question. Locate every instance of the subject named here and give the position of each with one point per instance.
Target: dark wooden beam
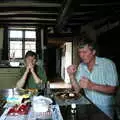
(64, 15)
(29, 3)
(100, 4)
(44, 16)
(28, 8)
(2, 24)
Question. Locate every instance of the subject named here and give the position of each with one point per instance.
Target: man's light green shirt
(103, 73)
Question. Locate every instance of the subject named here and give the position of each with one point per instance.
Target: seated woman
(32, 74)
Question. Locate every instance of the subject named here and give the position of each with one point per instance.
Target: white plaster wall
(68, 60)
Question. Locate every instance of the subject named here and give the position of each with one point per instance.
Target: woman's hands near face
(29, 67)
(30, 63)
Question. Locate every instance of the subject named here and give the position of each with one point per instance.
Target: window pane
(30, 34)
(15, 49)
(15, 34)
(19, 45)
(16, 53)
(30, 45)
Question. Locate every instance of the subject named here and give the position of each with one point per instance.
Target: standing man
(96, 75)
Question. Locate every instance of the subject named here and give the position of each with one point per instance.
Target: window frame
(23, 39)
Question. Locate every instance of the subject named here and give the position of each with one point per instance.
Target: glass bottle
(41, 88)
(73, 111)
(48, 89)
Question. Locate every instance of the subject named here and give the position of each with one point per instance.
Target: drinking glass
(41, 89)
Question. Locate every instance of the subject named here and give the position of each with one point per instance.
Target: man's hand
(86, 83)
(71, 69)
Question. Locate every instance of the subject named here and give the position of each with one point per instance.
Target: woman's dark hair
(30, 53)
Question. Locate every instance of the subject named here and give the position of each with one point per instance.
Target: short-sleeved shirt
(103, 73)
(30, 83)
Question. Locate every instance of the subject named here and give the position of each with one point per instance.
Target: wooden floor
(59, 83)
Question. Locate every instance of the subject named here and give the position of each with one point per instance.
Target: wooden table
(84, 111)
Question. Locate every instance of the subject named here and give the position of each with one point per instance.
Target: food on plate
(33, 90)
(19, 109)
(25, 96)
(26, 92)
(67, 95)
(71, 94)
(14, 99)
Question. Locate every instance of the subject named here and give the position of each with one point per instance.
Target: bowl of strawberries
(20, 109)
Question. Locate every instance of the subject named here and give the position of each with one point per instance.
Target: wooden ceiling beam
(28, 19)
(23, 12)
(29, 4)
(99, 4)
(64, 14)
